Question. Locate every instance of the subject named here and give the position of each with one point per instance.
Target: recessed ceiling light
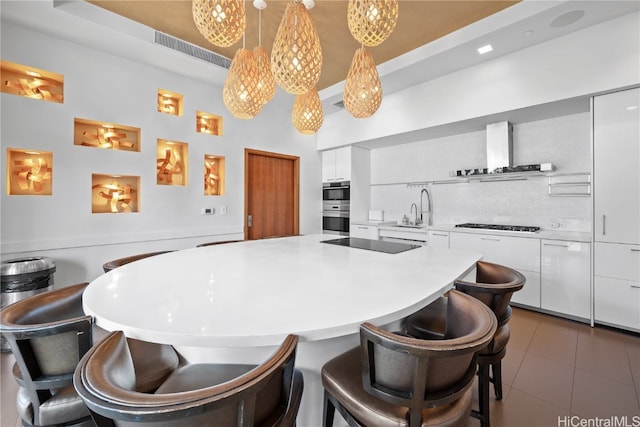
(485, 49)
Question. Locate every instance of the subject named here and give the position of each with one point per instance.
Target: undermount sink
(408, 226)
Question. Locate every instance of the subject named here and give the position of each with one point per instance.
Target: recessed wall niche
(114, 193)
(172, 163)
(91, 133)
(214, 177)
(29, 172)
(30, 82)
(169, 102)
(208, 123)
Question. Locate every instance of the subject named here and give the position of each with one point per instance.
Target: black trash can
(22, 278)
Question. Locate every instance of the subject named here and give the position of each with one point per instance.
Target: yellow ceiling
(419, 22)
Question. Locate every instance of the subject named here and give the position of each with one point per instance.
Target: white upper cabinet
(616, 135)
(336, 165)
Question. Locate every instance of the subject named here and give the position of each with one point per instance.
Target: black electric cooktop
(372, 245)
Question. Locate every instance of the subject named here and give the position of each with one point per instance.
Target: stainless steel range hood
(500, 154)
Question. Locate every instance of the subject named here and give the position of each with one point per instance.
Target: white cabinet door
(522, 254)
(438, 239)
(529, 295)
(616, 141)
(617, 302)
(618, 261)
(328, 165)
(412, 237)
(617, 285)
(565, 285)
(363, 231)
(343, 164)
(336, 165)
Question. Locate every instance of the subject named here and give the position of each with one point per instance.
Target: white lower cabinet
(520, 253)
(617, 285)
(410, 236)
(617, 303)
(438, 239)
(565, 285)
(363, 231)
(529, 295)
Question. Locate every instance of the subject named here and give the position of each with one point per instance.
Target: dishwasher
(403, 236)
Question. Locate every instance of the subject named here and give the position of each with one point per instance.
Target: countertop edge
(564, 235)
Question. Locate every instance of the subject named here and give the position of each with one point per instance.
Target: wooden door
(271, 195)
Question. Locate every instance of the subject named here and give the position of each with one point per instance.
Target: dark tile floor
(560, 373)
(557, 373)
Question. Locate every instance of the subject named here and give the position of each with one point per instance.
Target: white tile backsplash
(563, 141)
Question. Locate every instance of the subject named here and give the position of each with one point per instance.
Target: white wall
(599, 58)
(563, 141)
(102, 87)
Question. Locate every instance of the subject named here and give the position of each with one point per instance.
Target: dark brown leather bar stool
(108, 266)
(221, 395)
(494, 286)
(395, 380)
(48, 333)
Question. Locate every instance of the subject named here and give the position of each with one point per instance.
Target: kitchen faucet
(430, 210)
(413, 205)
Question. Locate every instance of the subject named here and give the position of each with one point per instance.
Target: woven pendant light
(307, 115)
(296, 56)
(266, 82)
(241, 86)
(372, 21)
(362, 94)
(222, 22)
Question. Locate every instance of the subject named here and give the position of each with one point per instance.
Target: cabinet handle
(556, 244)
(440, 234)
(635, 286)
(487, 238)
(635, 250)
(363, 228)
(604, 223)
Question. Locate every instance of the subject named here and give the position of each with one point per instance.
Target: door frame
(296, 186)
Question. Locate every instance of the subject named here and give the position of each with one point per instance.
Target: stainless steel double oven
(335, 207)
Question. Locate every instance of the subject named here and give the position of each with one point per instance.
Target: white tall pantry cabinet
(616, 154)
(351, 164)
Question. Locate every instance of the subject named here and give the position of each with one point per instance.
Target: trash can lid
(25, 265)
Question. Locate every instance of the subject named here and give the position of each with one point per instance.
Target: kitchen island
(238, 301)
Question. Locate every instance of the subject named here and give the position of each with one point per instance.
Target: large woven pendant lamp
(222, 22)
(307, 115)
(362, 93)
(241, 86)
(372, 21)
(296, 56)
(266, 83)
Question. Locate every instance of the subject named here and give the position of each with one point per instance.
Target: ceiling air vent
(192, 50)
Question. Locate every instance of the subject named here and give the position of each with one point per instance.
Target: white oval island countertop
(254, 293)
